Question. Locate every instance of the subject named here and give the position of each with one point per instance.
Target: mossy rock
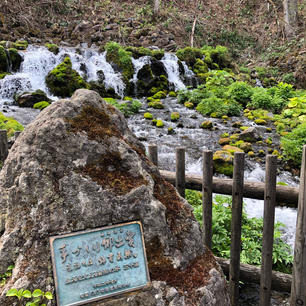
(172, 94)
(159, 123)
(170, 130)
(138, 52)
(28, 99)
(260, 121)
(189, 104)
(148, 116)
(20, 45)
(160, 95)
(4, 74)
(41, 105)
(10, 125)
(207, 125)
(224, 141)
(189, 55)
(99, 87)
(251, 154)
(4, 64)
(200, 67)
(52, 48)
(122, 60)
(223, 162)
(15, 59)
(231, 149)
(237, 124)
(175, 116)
(62, 81)
(245, 146)
(156, 104)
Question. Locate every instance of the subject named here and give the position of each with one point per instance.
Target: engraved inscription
(98, 263)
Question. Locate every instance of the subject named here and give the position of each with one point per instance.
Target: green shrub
(251, 234)
(292, 144)
(260, 99)
(241, 92)
(127, 107)
(218, 107)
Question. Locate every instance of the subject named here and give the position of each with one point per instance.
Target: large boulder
(78, 167)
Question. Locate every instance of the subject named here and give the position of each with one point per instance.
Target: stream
(38, 61)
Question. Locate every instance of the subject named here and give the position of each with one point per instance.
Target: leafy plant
(8, 273)
(38, 296)
(127, 107)
(251, 234)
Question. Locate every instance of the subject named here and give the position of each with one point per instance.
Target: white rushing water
(38, 61)
(170, 62)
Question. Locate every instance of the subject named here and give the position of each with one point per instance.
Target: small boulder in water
(28, 99)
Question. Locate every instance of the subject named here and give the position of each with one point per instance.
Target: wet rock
(251, 135)
(78, 167)
(28, 99)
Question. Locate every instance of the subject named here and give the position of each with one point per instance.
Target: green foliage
(292, 144)
(260, 99)
(251, 234)
(127, 107)
(37, 296)
(159, 123)
(218, 107)
(8, 273)
(10, 125)
(175, 116)
(241, 92)
(63, 80)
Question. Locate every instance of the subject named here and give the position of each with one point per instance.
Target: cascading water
(170, 62)
(38, 61)
(138, 64)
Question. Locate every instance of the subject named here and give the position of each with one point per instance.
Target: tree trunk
(290, 17)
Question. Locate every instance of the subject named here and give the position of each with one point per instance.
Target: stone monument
(78, 168)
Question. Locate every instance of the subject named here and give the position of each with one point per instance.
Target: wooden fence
(269, 192)
(273, 195)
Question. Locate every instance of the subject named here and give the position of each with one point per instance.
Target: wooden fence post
(180, 171)
(153, 155)
(268, 230)
(3, 145)
(237, 202)
(298, 286)
(207, 197)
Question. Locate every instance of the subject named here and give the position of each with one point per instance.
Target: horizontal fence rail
(273, 195)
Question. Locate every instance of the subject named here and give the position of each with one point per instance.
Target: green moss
(251, 154)
(159, 123)
(223, 162)
(123, 59)
(189, 55)
(20, 45)
(172, 94)
(156, 104)
(41, 105)
(160, 95)
(170, 130)
(160, 84)
(189, 104)
(3, 60)
(207, 125)
(260, 121)
(141, 51)
(63, 80)
(3, 75)
(200, 67)
(10, 125)
(52, 48)
(15, 58)
(175, 116)
(148, 116)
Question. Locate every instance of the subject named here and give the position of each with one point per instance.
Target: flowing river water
(38, 61)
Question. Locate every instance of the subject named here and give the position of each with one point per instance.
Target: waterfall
(138, 64)
(38, 61)
(170, 62)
